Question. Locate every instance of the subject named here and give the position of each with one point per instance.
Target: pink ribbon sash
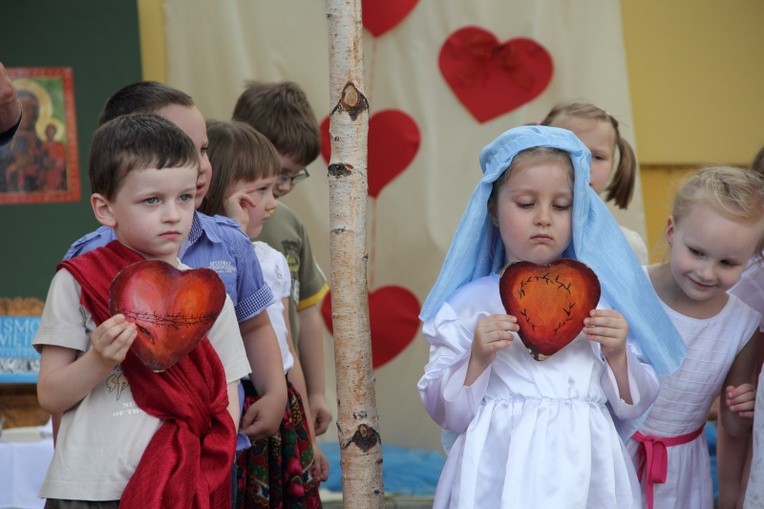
(653, 466)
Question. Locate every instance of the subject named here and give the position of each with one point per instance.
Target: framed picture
(40, 164)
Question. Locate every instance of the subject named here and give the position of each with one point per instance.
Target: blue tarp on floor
(404, 471)
(416, 471)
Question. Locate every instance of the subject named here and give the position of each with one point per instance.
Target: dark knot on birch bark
(352, 102)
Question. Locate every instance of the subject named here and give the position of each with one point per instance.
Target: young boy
(216, 243)
(282, 113)
(127, 433)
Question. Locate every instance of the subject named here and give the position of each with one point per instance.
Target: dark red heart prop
(393, 142)
(173, 309)
(491, 78)
(379, 16)
(394, 321)
(549, 301)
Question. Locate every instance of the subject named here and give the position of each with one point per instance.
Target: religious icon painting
(40, 164)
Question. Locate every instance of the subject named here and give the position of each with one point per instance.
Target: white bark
(357, 419)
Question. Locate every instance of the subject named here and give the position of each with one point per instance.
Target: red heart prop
(379, 16)
(393, 142)
(491, 78)
(173, 309)
(393, 319)
(549, 301)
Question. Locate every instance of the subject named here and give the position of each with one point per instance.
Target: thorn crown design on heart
(550, 302)
(172, 309)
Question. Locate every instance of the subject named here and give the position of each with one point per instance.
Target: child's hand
(608, 328)
(263, 418)
(320, 463)
(492, 333)
(112, 339)
(741, 399)
(236, 206)
(322, 416)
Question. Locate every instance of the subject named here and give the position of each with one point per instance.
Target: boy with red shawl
(130, 436)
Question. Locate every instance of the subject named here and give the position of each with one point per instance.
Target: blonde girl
(716, 226)
(529, 433)
(614, 165)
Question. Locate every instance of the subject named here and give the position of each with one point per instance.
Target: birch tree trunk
(357, 419)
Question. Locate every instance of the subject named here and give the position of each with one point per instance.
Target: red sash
(188, 462)
(653, 466)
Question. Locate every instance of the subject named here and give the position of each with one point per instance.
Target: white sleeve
(643, 386)
(448, 401)
(64, 321)
(750, 288)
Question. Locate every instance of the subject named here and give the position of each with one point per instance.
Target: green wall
(100, 41)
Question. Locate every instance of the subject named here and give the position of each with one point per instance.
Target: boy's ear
(102, 210)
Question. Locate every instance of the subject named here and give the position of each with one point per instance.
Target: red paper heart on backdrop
(173, 309)
(491, 78)
(393, 143)
(379, 16)
(393, 319)
(549, 301)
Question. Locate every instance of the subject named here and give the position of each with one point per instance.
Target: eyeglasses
(293, 179)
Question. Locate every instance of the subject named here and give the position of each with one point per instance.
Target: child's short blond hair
(735, 193)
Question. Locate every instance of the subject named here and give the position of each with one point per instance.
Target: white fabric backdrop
(214, 47)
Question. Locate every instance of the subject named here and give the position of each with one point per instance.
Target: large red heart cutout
(393, 320)
(173, 309)
(549, 301)
(379, 16)
(393, 143)
(491, 78)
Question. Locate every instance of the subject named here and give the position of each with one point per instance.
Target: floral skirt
(277, 472)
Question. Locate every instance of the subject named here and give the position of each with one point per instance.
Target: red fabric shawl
(188, 462)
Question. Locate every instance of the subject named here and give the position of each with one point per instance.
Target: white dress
(531, 434)
(685, 399)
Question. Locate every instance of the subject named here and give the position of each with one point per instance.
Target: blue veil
(477, 249)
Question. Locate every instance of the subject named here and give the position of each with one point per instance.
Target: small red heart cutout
(491, 78)
(172, 308)
(379, 16)
(393, 143)
(549, 301)
(394, 321)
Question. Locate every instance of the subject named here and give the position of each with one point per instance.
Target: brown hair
(237, 152)
(620, 190)
(537, 154)
(142, 96)
(282, 113)
(134, 142)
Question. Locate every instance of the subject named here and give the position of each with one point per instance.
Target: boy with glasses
(281, 112)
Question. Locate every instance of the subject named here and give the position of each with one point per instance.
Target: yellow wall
(697, 79)
(153, 51)
(696, 73)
